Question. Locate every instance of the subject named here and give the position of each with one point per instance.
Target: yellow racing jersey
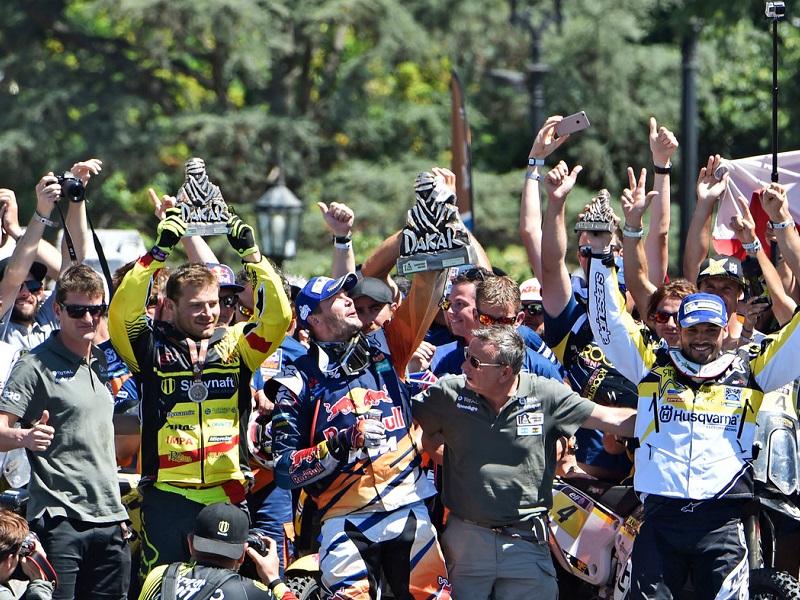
(197, 448)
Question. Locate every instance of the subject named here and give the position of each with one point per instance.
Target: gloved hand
(170, 232)
(366, 433)
(241, 237)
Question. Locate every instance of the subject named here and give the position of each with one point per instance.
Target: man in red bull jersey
(341, 432)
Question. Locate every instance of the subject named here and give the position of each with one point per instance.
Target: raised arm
(76, 223)
(709, 190)
(557, 290)
(634, 205)
(530, 208)
(743, 225)
(339, 219)
(663, 144)
(46, 253)
(776, 205)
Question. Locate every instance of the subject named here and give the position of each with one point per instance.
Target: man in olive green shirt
(500, 428)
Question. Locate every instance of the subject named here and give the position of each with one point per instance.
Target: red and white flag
(746, 177)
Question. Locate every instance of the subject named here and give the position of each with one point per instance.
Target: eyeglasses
(534, 308)
(476, 364)
(32, 285)
(663, 316)
(445, 304)
(245, 311)
(489, 320)
(229, 301)
(77, 311)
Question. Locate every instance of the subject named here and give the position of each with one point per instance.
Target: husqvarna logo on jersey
(168, 386)
(669, 413)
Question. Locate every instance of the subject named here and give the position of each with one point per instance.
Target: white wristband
(41, 219)
(754, 247)
(534, 176)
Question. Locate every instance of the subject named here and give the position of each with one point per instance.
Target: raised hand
(743, 225)
(559, 181)
(775, 203)
(663, 143)
(338, 217)
(241, 237)
(448, 176)
(170, 231)
(545, 142)
(161, 205)
(85, 169)
(709, 188)
(635, 201)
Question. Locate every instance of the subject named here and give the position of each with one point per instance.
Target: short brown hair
(80, 279)
(13, 529)
(677, 288)
(194, 274)
(499, 291)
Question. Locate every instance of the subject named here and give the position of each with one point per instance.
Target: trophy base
(206, 229)
(595, 226)
(436, 261)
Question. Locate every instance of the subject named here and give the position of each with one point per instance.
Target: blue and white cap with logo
(319, 289)
(702, 308)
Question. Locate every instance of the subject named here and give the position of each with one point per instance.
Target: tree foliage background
(352, 98)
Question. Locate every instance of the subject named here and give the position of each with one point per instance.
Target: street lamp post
(278, 214)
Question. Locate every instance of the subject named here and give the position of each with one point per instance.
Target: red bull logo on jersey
(358, 401)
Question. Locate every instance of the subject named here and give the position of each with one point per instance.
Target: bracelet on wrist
(535, 162)
(632, 232)
(274, 583)
(663, 170)
(342, 239)
(534, 176)
(159, 254)
(346, 246)
(47, 222)
(754, 247)
(781, 225)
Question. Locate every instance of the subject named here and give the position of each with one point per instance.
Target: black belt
(537, 526)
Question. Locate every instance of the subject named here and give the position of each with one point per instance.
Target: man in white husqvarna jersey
(695, 429)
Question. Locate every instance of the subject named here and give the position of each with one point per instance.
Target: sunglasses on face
(473, 275)
(245, 311)
(229, 301)
(663, 316)
(33, 286)
(445, 304)
(476, 364)
(534, 308)
(77, 311)
(586, 251)
(489, 320)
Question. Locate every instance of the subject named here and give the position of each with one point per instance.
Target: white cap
(530, 290)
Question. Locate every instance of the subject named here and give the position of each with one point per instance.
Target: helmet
(259, 439)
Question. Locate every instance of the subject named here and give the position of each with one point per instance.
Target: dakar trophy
(202, 206)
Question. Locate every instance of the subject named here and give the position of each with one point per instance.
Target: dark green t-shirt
(76, 476)
(499, 468)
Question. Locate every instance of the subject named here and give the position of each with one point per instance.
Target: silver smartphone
(572, 124)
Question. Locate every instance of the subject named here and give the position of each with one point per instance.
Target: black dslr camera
(258, 542)
(28, 545)
(71, 187)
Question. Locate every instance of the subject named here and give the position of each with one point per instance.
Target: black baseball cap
(721, 265)
(221, 529)
(373, 288)
(38, 270)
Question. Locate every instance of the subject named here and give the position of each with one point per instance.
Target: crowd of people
(407, 429)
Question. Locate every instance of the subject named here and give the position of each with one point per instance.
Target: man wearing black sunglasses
(59, 392)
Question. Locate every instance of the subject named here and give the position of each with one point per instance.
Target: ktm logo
(168, 386)
(224, 526)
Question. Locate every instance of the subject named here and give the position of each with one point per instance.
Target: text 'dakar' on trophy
(599, 216)
(434, 236)
(202, 206)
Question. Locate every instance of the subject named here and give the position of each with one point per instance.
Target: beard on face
(25, 314)
(341, 328)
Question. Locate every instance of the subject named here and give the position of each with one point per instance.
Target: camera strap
(214, 579)
(101, 256)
